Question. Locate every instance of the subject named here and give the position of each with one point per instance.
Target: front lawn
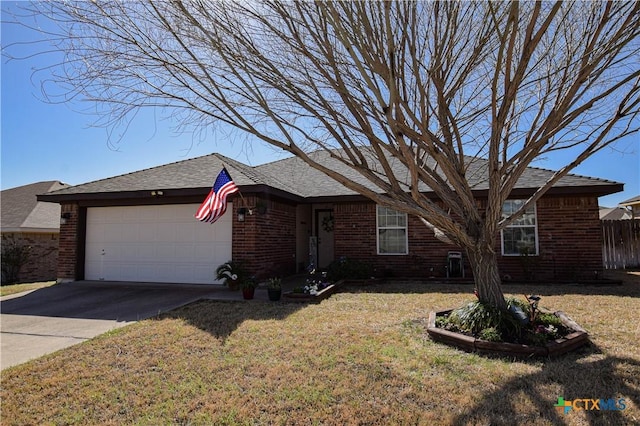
(7, 290)
(359, 357)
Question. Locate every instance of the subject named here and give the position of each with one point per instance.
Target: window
(522, 235)
(392, 231)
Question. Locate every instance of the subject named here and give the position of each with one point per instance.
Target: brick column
(266, 240)
(68, 244)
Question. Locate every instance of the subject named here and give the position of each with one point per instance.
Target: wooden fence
(621, 243)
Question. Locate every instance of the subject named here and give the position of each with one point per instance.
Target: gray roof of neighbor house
(631, 201)
(615, 213)
(22, 212)
(292, 176)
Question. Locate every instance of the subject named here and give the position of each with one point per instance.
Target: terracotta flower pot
(247, 293)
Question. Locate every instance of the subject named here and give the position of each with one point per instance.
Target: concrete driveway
(52, 318)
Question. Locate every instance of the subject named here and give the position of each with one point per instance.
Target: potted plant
(248, 287)
(232, 273)
(274, 289)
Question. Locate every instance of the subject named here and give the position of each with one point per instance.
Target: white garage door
(155, 244)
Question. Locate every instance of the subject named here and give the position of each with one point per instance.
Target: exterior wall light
(242, 213)
(64, 218)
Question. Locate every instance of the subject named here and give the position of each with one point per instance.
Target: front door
(324, 232)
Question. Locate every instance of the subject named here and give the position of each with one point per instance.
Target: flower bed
(576, 338)
(313, 296)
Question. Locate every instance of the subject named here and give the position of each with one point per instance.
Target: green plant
(549, 319)
(14, 256)
(520, 303)
(232, 272)
(248, 282)
(347, 268)
(477, 316)
(491, 324)
(474, 317)
(551, 325)
(536, 338)
(274, 283)
(442, 322)
(490, 334)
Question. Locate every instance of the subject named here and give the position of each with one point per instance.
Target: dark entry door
(325, 234)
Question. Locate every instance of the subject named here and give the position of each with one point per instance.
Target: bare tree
(431, 86)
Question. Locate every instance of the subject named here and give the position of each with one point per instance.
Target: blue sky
(43, 141)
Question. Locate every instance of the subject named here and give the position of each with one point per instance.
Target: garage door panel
(147, 233)
(123, 271)
(166, 251)
(168, 233)
(95, 231)
(155, 244)
(186, 253)
(143, 252)
(223, 233)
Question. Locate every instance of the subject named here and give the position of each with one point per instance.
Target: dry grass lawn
(7, 290)
(361, 357)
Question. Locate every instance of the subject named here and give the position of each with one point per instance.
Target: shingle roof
(21, 211)
(631, 201)
(309, 182)
(193, 173)
(293, 176)
(615, 213)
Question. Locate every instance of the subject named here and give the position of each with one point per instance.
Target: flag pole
(244, 202)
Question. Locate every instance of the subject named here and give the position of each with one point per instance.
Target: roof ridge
(246, 170)
(214, 154)
(42, 182)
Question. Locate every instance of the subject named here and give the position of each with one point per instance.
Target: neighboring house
(634, 205)
(33, 225)
(615, 213)
(141, 226)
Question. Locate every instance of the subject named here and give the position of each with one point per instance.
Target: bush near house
(348, 268)
(14, 256)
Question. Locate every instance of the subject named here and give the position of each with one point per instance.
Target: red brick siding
(569, 241)
(43, 255)
(568, 231)
(68, 255)
(355, 236)
(265, 241)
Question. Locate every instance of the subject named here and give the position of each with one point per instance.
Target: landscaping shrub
(347, 268)
(492, 324)
(490, 334)
(477, 316)
(14, 256)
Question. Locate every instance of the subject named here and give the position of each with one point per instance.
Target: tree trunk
(484, 264)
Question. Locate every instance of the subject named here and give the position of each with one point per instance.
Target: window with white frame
(392, 231)
(521, 237)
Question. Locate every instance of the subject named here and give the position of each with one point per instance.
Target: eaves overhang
(157, 196)
(195, 195)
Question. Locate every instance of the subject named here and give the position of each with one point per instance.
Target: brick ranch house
(141, 226)
(27, 222)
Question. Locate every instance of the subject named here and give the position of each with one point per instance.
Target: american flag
(215, 204)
